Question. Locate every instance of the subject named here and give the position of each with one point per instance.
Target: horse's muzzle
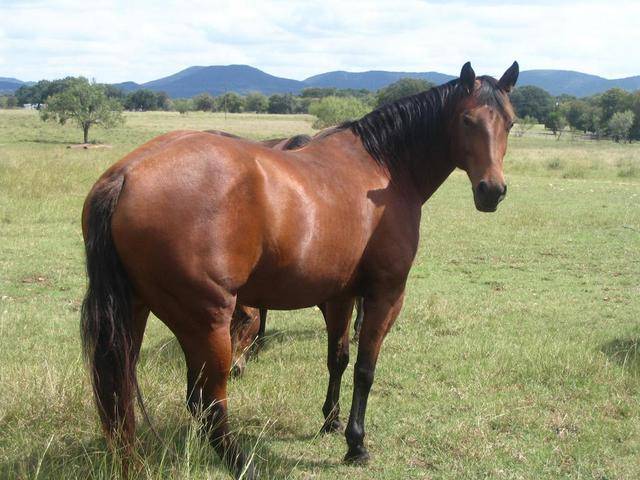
(487, 196)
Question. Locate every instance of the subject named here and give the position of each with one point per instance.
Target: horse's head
(481, 123)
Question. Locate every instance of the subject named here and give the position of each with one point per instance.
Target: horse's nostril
(504, 190)
(483, 187)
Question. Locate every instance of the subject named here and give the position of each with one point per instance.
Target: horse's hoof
(334, 426)
(357, 456)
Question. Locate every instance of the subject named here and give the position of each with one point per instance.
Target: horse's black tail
(107, 317)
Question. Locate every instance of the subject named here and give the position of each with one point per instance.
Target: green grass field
(516, 355)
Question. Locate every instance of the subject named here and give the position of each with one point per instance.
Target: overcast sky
(144, 40)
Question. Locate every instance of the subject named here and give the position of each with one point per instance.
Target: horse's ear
(510, 77)
(467, 77)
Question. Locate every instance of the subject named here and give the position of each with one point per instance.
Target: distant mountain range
(10, 85)
(243, 79)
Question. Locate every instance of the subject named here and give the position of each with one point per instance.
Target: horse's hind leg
(206, 342)
(337, 315)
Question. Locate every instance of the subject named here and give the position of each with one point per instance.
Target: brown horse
(191, 223)
(248, 325)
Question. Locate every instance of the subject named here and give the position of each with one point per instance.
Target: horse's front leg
(337, 315)
(379, 314)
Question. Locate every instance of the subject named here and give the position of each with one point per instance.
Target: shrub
(334, 110)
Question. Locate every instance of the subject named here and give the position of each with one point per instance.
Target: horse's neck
(432, 173)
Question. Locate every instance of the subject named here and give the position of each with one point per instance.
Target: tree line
(614, 114)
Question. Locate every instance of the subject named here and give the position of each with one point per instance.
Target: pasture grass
(516, 355)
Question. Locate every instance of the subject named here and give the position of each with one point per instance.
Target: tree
(204, 102)
(279, 103)
(38, 93)
(111, 91)
(230, 102)
(400, 89)
(163, 102)
(635, 128)
(612, 101)
(256, 102)
(532, 101)
(620, 124)
(86, 104)
(574, 111)
(556, 123)
(141, 100)
(183, 105)
(335, 110)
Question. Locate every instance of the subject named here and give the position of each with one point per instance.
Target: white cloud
(144, 40)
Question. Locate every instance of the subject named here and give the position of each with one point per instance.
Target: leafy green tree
(334, 110)
(256, 102)
(591, 120)
(532, 101)
(204, 102)
(183, 105)
(114, 92)
(612, 101)
(230, 102)
(620, 124)
(86, 104)
(634, 134)
(556, 123)
(574, 111)
(38, 93)
(141, 100)
(400, 89)
(163, 102)
(279, 103)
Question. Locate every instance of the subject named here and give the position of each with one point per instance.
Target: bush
(334, 110)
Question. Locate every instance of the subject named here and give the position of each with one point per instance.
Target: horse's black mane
(393, 132)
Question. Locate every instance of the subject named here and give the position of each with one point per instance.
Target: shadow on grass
(46, 141)
(625, 352)
(182, 452)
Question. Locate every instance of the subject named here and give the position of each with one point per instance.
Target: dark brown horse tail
(107, 317)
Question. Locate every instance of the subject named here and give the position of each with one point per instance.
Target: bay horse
(190, 223)
(248, 325)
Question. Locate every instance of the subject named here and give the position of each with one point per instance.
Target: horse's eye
(468, 121)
